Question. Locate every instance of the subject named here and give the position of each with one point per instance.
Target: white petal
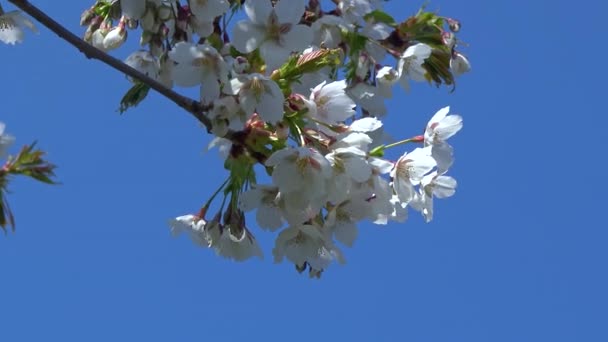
(358, 168)
(403, 189)
(422, 51)
(289, 11)
(449, 126)
(443, 155)
(278, 156)
(235, 86)
(297, 39)
(444, 186)
(274, 55)
(270, 106)
(258, 11)
(210, 89)
(269, 217)
(250, 199)
(284, 176)
(442, 113)
(382, 166)
(367, 124)
(459, 64)
(246, 36)
(186, 75)
(346, 232)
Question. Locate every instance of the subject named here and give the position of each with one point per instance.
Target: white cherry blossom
(305, 244)
(349, 165)
(409, 171)
(330, 104)
(238, 245)
(433, 185)
(192, 225)
(226, 114)
(11, 27)
(301, 174)
(272, 29)
(265, 199)
(260, 94)
(441, 127)
(410, 64)
(301, 170)
(198, 64)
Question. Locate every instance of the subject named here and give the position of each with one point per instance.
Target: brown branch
(190, 105)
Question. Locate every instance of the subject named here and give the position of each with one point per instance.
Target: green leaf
(377, 151)
(134, 96)
(379, 16)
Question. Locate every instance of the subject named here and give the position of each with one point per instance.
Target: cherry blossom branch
(190, 105)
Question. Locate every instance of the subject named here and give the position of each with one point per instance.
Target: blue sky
(517, 255)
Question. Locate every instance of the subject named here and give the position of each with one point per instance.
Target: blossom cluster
(299, 87)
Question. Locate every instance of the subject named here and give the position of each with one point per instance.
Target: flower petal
(289, 11)
(246, 36)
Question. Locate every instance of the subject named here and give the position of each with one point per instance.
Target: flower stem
(206, 206)
(418, 138)
(190, 105)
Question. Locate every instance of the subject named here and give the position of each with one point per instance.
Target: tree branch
(190, 105)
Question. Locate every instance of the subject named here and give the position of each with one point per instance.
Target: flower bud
(93, 26)
(449, 39)
(454, 25)
(87, 17)
(115, 37)
(240, 65)
(115, 12)
(362, 66)
(282, 131)
(131, 23)
(97, 39)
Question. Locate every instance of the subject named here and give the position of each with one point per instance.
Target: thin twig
(91, 52)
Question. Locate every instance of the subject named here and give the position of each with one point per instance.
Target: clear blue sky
(519, 254)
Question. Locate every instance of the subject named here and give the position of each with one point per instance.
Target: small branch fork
(193, 107)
